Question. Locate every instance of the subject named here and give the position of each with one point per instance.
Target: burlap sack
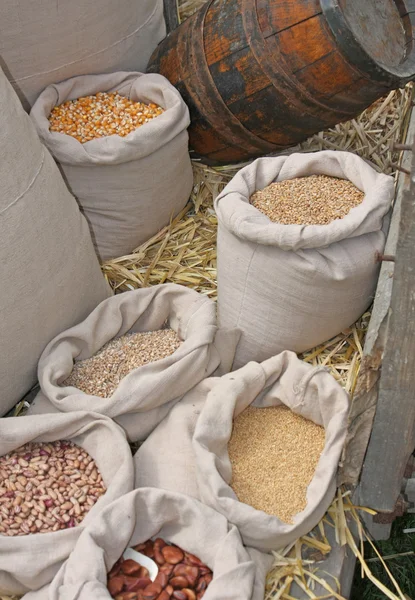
(128, 187)
(42, 41)
(50, 277)
(146, 395)
(30, 562)
(292, 287)
(281, 380)
(144, 514)
(166, 460)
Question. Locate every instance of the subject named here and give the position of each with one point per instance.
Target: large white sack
(292, 287)
(147, 513)
(50, 277)
(43, 41)
(31, 561)
(127, 187)
(146, 395)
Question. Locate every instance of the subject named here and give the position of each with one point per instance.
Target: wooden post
(393, 436)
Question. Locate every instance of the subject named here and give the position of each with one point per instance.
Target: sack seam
(246, 284)
(31, 183)
(74, 62)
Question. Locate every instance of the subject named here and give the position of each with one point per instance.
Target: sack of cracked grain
(279, 451)
(52, 505)
(50, 275)
(42, 42)
(150, 513)
(267, 445)
(128, 186)
(137, 379)
(289, 285)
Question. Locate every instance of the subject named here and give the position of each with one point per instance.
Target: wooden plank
(393, 430)
(364, 403)
(171, 15)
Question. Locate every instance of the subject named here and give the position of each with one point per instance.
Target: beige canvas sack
(166, 460)
(30, 562)
(145, 514)
(292, 287)
(48, 268)
(127, 187)
(188, 451)
(145, 395)
(43, 41)
(282, 380)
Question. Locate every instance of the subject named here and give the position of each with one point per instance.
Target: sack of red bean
(121, 141)
(135, 356)
(56, 475)
(298, 238)
(197, 554)
(260, 445)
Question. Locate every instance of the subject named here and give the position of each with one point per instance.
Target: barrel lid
(377, 36)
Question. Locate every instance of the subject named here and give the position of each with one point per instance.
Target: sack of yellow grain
(50, 276)
(122, 144)
(260, 445)
(145, 519)
(135, 356)
(56, 475)
(42, 41)
(297, 244)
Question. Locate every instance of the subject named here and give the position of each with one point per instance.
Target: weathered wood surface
(171, 15)
(262, 76)
(365, 398)
(393, 436)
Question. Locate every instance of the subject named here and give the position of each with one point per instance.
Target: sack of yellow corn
(121, 141)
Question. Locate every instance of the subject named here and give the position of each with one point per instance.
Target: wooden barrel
(263, 75)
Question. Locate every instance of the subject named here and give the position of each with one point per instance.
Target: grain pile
(274, 454)
(313, 200)
(47, 487)
(101, 115)
(101, 374)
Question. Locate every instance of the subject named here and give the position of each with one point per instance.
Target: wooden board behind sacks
(44, 42)
(49, 273)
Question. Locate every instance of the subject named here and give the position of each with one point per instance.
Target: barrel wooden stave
(262, 75)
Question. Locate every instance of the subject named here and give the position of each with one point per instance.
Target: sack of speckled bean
(267, 445)
(201, 535)
(135, 356)
(56, 474)
(122, 144)
(297, 254)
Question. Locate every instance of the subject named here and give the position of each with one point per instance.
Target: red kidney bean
(179, 582)
(115, 585)
(172, 554)
(130, 567)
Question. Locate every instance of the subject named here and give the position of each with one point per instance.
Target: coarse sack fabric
(145, 396)
(148, 513)
(30, 562)
(48, 268)
(292, 287)
(195, 435)
(43, 41)
(127, 187)
(166, 460)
